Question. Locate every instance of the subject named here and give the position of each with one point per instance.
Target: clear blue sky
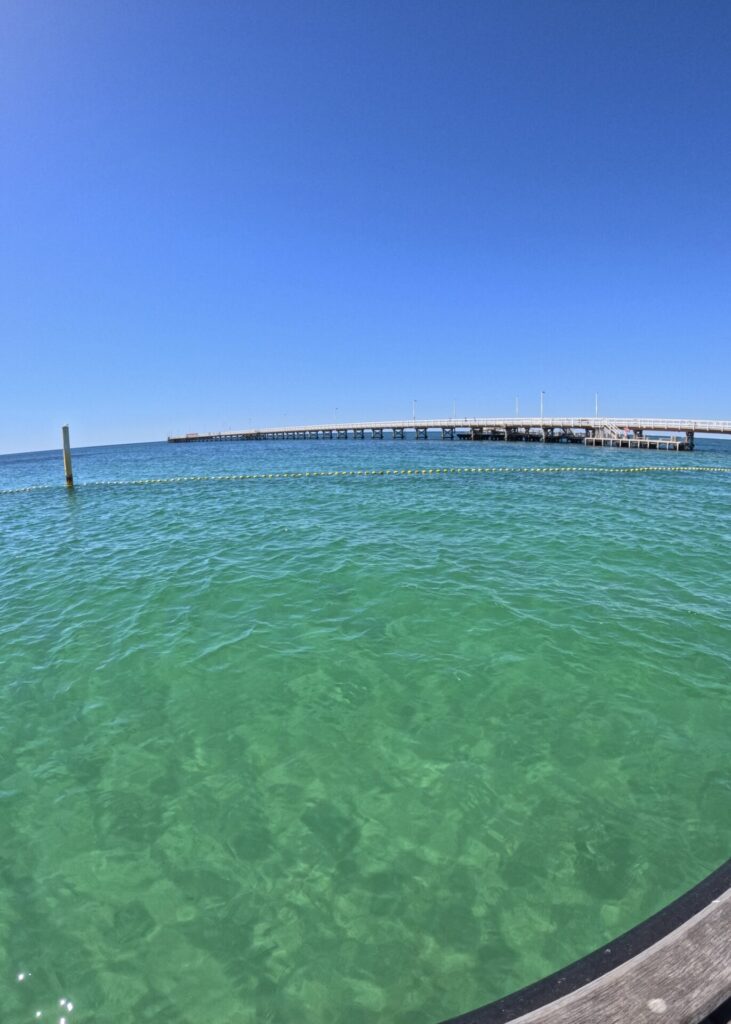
(217, 213)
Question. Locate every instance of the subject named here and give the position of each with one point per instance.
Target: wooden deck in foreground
(674, 968)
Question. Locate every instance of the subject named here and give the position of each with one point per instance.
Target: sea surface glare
(346, 750)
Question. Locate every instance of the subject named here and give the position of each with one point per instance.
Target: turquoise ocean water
(342, 749)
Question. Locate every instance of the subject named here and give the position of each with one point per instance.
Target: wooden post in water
(67, 457)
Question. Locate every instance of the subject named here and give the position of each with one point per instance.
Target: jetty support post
(68, 470)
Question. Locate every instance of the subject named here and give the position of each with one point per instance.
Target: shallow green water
(354, 750)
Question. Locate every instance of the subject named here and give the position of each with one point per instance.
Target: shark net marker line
(330, 473)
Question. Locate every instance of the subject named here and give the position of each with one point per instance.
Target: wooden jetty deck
(672, 968)
(669, 434)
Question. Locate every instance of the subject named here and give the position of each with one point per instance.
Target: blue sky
(217, 214)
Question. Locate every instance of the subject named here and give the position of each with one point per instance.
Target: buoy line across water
(429, 471)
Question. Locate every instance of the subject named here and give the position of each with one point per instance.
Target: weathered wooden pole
(67, 457)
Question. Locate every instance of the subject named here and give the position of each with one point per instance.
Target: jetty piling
(68, 469)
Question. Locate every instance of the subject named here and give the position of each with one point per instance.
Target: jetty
(669, 434)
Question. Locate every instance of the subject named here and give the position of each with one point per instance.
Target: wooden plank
(679, 980)
(673, 968)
